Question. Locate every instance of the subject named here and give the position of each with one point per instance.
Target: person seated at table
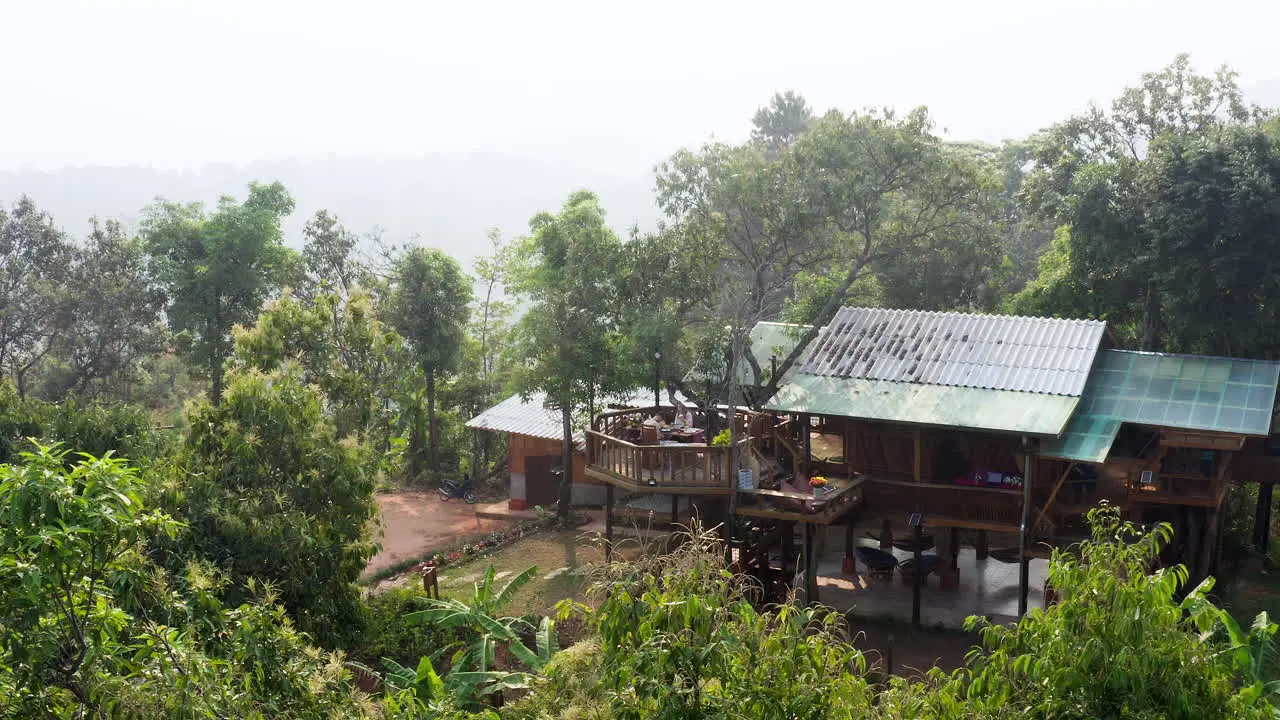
(796, 485)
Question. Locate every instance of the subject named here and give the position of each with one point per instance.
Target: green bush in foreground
(679, 639)
(89, 629)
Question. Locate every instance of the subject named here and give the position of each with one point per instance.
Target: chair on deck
(928, 563)
(880, 564)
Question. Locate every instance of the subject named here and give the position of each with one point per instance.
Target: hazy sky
(176, 83)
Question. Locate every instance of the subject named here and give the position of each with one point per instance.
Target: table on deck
(788, 503)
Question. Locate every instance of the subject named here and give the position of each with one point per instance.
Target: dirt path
(414, 522)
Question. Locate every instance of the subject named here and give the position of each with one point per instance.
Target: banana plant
(474, 673)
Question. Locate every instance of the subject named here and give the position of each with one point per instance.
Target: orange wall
(522, 446)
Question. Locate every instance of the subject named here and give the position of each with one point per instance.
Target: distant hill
(449, 201)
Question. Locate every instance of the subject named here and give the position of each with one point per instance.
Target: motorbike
(465, 489)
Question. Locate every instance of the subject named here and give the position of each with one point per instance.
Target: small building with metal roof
(535, 441)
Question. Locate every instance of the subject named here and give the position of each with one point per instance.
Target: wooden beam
(1053, 495)
(608, 523)
(1201, 440)
(1006, 528)
(915, 442)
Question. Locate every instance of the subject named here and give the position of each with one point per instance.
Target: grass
(548, 551)
(1251, 595)
(528, 527)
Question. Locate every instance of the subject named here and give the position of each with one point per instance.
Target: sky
(180, 83)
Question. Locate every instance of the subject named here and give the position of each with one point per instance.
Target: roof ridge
(1039, 318)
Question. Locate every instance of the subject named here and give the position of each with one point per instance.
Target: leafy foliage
(474, 671)
(87, 629)
(1166, 198)
(79, 426)
(1116, 644)
(219, 268)
(680, 639)
(386, 635)
(429, 307)
(340, 346)
(269, 492)
(34, 303)
(571, 332)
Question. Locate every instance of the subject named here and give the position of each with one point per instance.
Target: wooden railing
(659, 466)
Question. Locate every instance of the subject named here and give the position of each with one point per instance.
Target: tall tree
(782, 122)
(115, 318)
(329, 252)
(219, 268)
(429, 306)
(340, 346)
(35, 257)
(569, 337)
(483, 370)
(1105, 174)
(856, 193)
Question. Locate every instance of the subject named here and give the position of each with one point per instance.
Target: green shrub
(571, 687)
(123, 430)
(387, 635)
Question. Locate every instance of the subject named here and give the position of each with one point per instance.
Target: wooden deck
(845, 495)
(673, 468)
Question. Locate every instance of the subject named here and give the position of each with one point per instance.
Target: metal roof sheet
(521, 417)
(939, 405)
(534, 418)
(996, 352)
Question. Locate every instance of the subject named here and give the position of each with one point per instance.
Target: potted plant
(819, 485)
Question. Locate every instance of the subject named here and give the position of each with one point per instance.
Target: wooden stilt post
(981, 545)
(850, 566)
(675, 508)
(806, 449)
(1024, 575)
(917, 570)
(1262, 519)
(608, 522)
(788, 547)
(915, 445)
(810, 567)
(1208, 547)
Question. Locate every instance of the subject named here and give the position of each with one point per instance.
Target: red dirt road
(414, 522)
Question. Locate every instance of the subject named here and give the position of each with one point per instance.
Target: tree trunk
(566, 477)
(433, 429)
(215, 356)
(414, 449)
(1151, 340)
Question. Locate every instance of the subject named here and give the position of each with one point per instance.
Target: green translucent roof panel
(939, 405)
(1087, 438)
(1183, 391)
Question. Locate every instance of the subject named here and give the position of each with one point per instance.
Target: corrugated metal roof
(534, 418)
(938, 405)
(996, 352)
(521, 417)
